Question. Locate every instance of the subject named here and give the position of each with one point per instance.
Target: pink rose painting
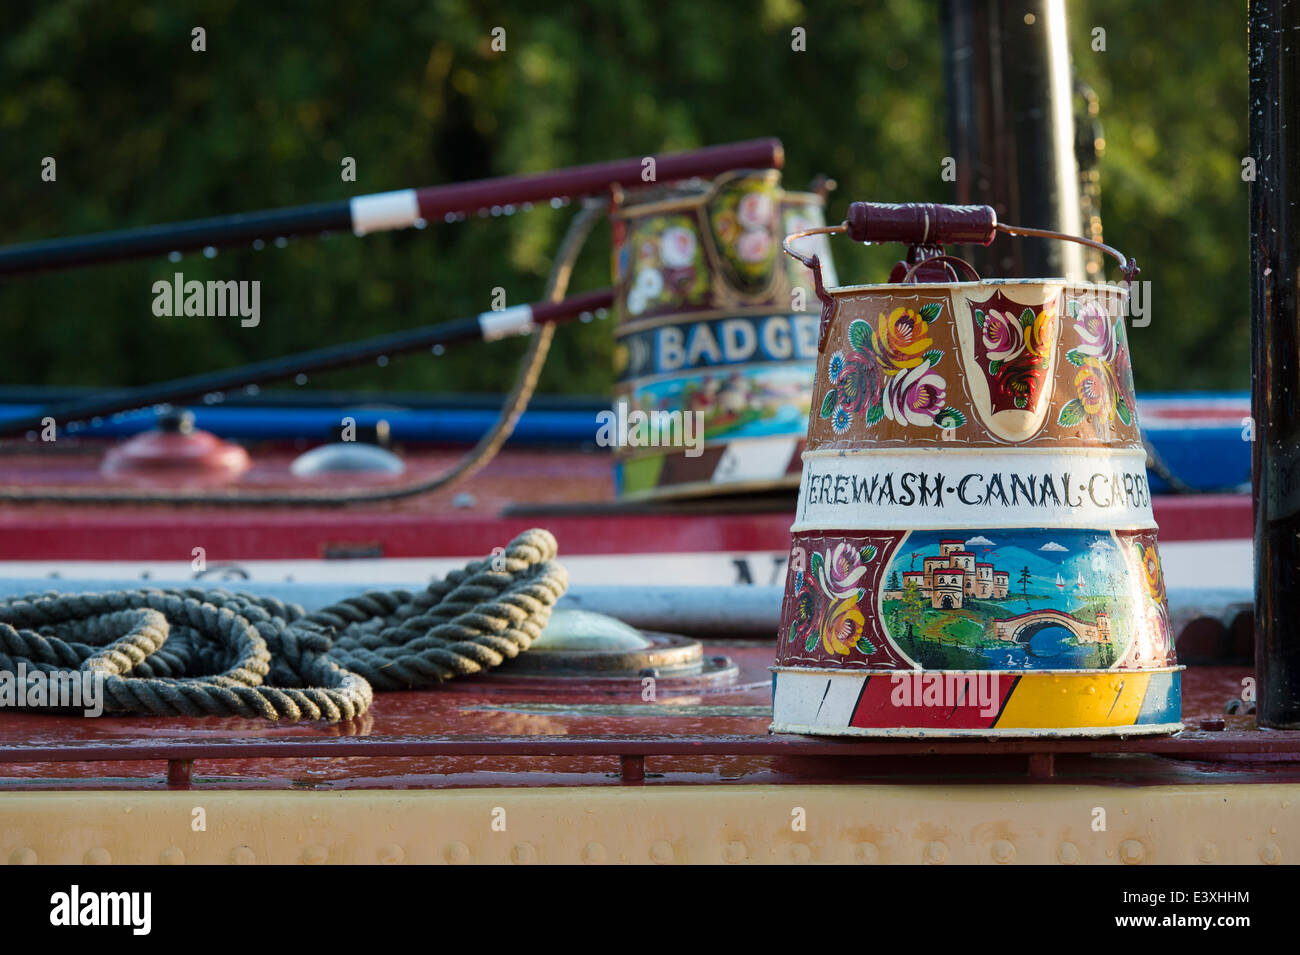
(1004, 337)
(1103, 383)
(1096, 331)
(842, 569)
(1014, 350)
(889, 372)
(915, 396)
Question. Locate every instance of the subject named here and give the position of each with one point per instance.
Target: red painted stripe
(1224, 409)
(282, 536)
(928, 701)
(100, 534)
(1219, 418)
(1205, 517)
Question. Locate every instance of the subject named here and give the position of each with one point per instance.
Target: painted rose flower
(1004, 338)
(1158, 626)
(915, 396)
(1104, 381)
(1040, 337)
(1021, 381)
(887, 371)
(677, 247)
(855, 387)
(842, 570)
(843, 627)
(807, 609)
(727, 226)
(755, 210)
(1121, 377)
(754, 246)
(1096, 332)
(900, 340)
(1152, 576)
(1094, 387)
(858, 384)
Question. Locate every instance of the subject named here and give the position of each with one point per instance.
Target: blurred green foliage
(1172, 88)
(146, 130)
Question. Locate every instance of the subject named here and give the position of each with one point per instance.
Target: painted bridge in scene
(1021, 628)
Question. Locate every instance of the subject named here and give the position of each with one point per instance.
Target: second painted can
(716, 338)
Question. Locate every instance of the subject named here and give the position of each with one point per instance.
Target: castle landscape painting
(1009, 599)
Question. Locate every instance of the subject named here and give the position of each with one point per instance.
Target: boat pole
(380, 212)
(1011, 128)
(1275, 352)
(489, 326)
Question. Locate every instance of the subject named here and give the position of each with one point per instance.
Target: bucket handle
(924, 226)
(954, 260)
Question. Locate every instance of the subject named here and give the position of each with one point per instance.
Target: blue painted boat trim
(1207, 456)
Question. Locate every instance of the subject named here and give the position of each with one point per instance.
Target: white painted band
(816, 698)
(384, 210)
(939, 489)
(516, 320)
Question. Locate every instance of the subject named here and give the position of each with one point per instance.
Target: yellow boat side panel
(1049, 824)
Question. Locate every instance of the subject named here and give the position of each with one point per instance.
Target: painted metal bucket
(716, 338)
(974, 551)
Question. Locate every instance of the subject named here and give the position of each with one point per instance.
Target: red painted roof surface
(429, 525)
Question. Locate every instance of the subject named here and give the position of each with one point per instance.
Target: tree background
(144, 130)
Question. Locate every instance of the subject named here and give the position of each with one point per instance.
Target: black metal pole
(1275, 341)
(275, 369)
(1011, 128)
(383, 211)
(219, 232)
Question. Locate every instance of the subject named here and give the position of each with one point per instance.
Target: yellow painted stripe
(1064, 700)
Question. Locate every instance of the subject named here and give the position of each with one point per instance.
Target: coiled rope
(195, 652)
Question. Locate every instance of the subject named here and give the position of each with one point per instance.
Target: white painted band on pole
(516, 320)
(384, 210)
(940, 489)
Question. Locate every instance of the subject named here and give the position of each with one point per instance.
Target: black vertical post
(1011, 129)
(1275, 343)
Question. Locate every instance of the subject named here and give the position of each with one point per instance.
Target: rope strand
(195, 652)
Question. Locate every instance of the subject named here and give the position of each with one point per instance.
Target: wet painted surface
(505, 707)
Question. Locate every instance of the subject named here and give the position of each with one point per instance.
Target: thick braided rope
(195, 652)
